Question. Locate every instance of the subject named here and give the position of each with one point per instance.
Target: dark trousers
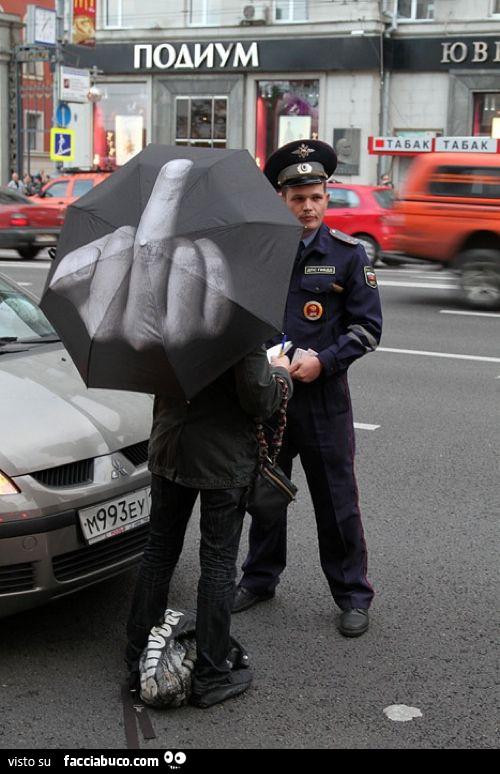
(222, 512)
(320, 430)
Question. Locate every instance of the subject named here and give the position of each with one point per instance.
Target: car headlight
(7, 486)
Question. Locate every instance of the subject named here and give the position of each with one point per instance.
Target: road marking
(431, 286)
(439, 354)
(362, 426)
(473, 314)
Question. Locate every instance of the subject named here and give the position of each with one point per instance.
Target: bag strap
(134, 711)
(266, 453)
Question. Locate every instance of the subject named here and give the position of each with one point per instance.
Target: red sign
(84, 14)
(411, 146)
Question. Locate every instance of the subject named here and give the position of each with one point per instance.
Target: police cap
(301, 162)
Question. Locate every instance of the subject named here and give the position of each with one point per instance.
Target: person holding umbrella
(171, 290)
(333, 316)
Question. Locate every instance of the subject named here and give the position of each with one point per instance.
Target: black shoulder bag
(271, 490)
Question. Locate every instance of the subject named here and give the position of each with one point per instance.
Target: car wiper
(39, 340)
(7, 339)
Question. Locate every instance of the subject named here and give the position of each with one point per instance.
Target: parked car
(26, 225)
(65, 189)
(361, 211)
(448, 211)
(74, 484)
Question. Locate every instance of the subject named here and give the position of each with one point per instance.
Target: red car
(62, 191)
(362, 211)
(26, 225)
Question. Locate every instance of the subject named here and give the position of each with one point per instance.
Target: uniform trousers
(320, 430)
(222, 512)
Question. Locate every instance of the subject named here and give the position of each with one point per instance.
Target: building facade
(257, 73)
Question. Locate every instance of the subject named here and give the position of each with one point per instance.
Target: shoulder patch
(370, 276)
(345, 238)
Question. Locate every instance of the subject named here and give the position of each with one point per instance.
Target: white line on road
(439, 354)
(473, 314)
(429, 285)
(361, 426)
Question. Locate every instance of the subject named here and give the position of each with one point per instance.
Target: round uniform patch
(313, 310)
(370, 277)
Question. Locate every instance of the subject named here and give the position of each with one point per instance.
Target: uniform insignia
(348, 240)
(304, 169)
(370, 276)
(319, 270)
(313, 310)
(303, 151)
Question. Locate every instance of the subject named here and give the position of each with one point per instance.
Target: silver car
(74, 484)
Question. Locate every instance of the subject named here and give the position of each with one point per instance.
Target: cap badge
(313, 310)
(304, 169)
(303, 151)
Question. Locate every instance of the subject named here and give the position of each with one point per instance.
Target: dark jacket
(209, 442)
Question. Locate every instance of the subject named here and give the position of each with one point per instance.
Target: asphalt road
(426, 407)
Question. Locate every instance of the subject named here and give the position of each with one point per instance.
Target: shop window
(201, 121)
(486, 114)
(286, 111)
(290, 10)
(496, 8)
(413, 10)
(205, 13)
(120, 123)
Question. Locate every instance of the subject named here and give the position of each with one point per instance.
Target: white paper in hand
(276, 350)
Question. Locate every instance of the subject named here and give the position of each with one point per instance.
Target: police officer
(333, 315)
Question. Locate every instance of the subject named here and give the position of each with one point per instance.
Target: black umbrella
(171, 270)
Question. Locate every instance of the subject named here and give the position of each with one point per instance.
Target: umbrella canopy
(171, 270)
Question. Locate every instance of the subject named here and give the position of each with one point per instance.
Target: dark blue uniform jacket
(333, 279)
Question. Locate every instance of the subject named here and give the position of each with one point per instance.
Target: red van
(448, 211)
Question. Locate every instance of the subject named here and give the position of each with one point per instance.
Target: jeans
(222, 512)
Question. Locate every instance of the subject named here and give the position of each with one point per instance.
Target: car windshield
(385, 197)
(21, 320)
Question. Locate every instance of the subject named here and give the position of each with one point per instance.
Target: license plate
(42, 238)
(114, 517)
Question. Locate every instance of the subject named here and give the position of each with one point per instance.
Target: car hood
(49, 418)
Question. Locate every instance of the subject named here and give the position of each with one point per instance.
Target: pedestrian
(29, 187)
(333, 310)
(16, 183)
(386, 180)
(204, 446)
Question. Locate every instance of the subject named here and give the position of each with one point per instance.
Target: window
(290, 10)
(486, 114)
(81, 187)
(120, 123)
(205, 13)
(285, 111)
(33, 70)
(496, 7)
(119, 14)
(470, 182)
(342, 197)
(33, 128)
(201, 121)
(413, 10)
(57, 190)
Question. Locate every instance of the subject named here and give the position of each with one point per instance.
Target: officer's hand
(307, 369)
(281, 360)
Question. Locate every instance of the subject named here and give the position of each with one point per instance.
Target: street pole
(58, 59)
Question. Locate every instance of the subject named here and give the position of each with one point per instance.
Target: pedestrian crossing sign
(62, 144)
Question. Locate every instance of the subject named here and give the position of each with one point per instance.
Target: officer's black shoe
(353, 622)
(237, 682)
(243, 599)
